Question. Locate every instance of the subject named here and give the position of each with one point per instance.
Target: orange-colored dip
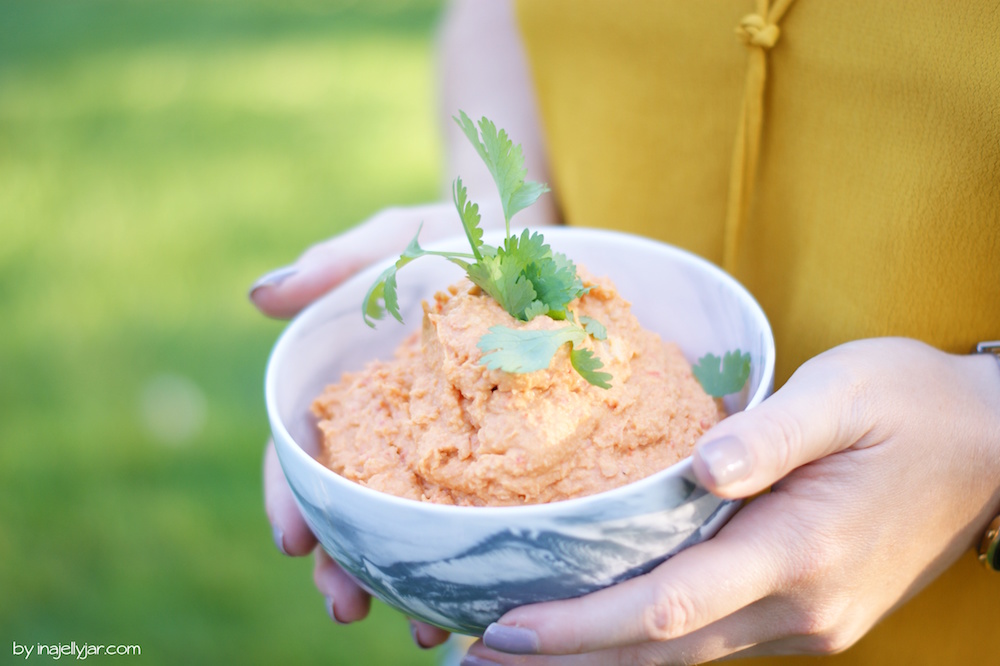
(434, 424)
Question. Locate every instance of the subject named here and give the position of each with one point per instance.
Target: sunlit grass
(155, 158)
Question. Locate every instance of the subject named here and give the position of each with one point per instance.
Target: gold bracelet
(989, 547)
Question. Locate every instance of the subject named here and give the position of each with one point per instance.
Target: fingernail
(473, 660)
(413, 634)
(512, 640)
(279, 539)
(726, 459)
(273, 278)
(331, 610)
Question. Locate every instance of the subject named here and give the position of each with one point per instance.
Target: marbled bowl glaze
(461, 568)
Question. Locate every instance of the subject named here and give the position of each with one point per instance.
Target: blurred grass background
(156, 156)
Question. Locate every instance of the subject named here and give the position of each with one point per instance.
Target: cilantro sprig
(523, 275)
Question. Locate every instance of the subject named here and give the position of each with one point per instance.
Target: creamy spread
(434, 424)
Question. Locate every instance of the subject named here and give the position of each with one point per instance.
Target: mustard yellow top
(841, 159)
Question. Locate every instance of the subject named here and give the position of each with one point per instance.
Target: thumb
(810, 417)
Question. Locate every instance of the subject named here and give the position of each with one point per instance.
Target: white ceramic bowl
(461, 568)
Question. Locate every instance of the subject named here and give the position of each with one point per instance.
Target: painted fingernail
(331, 610)
(473, 660)
(279, 539)
(273, 278)
(512, 640)
(726, 459)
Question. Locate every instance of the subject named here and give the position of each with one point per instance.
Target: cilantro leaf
(518, 255)
(553, 279)
(585, 363)
(470, 131)
(594, 328)
(525, 195)
(521, 350)
(381, 296)
(556, 283)
(735, 370)
(525, 279)
(469, 213)
(499, 277)
(529, 247)
(413, 249)
(536, 309)
(505, 163)
(372, 307)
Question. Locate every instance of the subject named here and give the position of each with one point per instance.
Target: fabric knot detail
(759, 31)
(754, 30)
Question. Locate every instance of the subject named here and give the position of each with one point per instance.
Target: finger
(709, 644)
(427, 635)
(480, 655)
(768, 627)
(291, 534)
(813, 415)
(283, 292)
(694, 589)
(714, 642)
(345, 601)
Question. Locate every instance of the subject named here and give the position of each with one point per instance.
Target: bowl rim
(284, 442)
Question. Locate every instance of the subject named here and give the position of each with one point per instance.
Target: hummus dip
(434, 424)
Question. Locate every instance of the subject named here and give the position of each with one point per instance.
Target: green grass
(155, 158)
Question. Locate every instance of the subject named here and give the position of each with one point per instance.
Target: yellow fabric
(872, 200)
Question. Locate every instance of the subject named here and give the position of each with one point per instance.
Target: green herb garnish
(523, 275)
(730, 378)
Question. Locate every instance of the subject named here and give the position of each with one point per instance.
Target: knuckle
(319, 578)
(813, 622)
(822, 630)
(785, 440)
(324, 572)
(851, 386)
(812, 564)
(670, 613)
(573, 637)
(809, 568)
(827, 643)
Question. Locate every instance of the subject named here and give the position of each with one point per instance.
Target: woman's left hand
(876, 449)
